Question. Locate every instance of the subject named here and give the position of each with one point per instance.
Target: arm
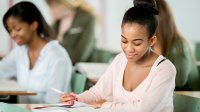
(160, 91)
(59, 78)
(8, 64)
(103, 90)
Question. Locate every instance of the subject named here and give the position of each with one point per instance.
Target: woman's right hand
(68, 98)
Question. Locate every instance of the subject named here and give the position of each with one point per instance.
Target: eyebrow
(132, 40)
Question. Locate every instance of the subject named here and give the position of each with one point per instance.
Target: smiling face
(135, 41)
(20, 32)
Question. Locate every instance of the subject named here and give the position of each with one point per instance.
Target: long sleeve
(103, 88)
(59, 78)
(8, 64)
(159, 93)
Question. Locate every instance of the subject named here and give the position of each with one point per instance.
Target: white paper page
(66, 107)
(76, 104)
(36, 110)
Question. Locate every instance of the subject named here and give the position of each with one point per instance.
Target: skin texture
(18, 31)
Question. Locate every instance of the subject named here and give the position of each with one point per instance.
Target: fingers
(68, 98)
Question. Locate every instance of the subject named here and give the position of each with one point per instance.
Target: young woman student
(138, 79)
(39, 63)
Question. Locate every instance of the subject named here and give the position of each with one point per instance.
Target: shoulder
(180, 50)
(120, 57)
(118, 62)
(84, 15)
(54, 50)
(180, 45)
(166, 67)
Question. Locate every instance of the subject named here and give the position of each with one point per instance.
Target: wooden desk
(189, 93)
(23, 93)
(8, 88)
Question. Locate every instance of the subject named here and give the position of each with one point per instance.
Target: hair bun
(147, 8)
(146, 5)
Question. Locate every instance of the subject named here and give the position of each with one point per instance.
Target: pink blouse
(154, 94)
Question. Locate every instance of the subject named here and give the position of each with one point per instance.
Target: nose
(130, 48)
(13, 34)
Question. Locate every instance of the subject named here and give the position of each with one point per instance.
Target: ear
(34, 26)
(152, 40)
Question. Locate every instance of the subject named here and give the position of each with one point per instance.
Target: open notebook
(78, 107)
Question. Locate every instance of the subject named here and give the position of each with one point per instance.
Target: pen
(56, 90)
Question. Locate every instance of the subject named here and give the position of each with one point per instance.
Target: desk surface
(92, 71)
(76, 109)
(12, 88)
(23, 93)
(189, 93)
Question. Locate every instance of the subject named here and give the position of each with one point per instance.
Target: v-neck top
(52, 69)
(153, 94)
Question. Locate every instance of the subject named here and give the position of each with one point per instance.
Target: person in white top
(138, 79)
(39, 63)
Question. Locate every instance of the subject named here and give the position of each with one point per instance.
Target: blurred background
(110, 15)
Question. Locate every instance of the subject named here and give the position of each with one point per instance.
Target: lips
(18, 41)
(130, 55)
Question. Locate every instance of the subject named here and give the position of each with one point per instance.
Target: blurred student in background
(39, 62)
(173, 46)
(138, 79)
(74, 25)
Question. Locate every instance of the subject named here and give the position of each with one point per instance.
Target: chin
(131, 59)
(20, 44)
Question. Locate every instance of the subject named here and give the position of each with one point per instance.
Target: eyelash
(133, 43)
(137, 44)
(18, 29)
(124, 41)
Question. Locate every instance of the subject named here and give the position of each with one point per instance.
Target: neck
(36, 43)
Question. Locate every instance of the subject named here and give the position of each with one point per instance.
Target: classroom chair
(183, 103)
(197, 51)
(78, 82)
(102, 56)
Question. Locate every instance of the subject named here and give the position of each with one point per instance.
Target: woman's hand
(68, 98)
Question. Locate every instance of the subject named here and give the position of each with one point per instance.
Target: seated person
(39, 62)
(173, 46)
(74, 25)
(138, 79)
